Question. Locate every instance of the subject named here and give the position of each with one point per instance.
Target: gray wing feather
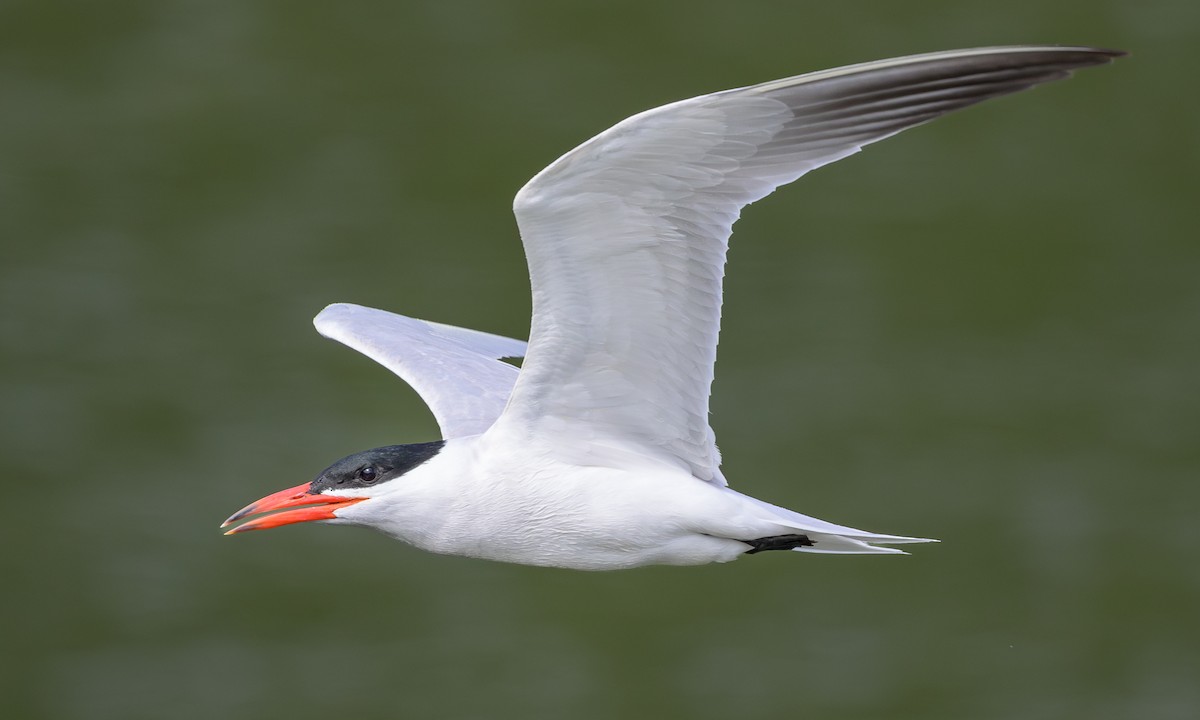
(626, 235)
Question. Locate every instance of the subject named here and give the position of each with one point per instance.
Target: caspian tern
(597, 453)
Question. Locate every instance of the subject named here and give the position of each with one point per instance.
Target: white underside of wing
(456, 371)
(626, 235)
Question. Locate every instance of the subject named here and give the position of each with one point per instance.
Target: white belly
(592, 518)
(605, 511)
(475, 500)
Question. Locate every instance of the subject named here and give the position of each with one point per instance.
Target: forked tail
(829, 538)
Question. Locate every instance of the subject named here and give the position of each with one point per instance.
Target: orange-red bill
(307, 507)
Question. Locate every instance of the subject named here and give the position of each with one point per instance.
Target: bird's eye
(367, 474)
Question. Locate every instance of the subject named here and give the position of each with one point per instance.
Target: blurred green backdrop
(983, 331)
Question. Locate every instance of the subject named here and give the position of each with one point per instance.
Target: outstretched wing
(626, 234)
(456, 371)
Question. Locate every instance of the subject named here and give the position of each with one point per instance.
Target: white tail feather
(830, 538)
(842, 545)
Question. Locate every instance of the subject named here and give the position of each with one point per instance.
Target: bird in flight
(597, 453)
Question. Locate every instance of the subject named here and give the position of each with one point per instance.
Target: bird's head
(354, 479)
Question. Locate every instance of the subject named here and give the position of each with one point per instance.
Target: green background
(984, 331)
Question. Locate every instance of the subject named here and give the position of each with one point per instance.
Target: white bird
(597, 454)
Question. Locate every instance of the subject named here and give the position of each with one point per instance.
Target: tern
(597, 454)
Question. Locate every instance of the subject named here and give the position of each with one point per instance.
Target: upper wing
(626, 234)
(457, 372)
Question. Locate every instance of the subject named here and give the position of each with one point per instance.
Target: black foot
(778, 542)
